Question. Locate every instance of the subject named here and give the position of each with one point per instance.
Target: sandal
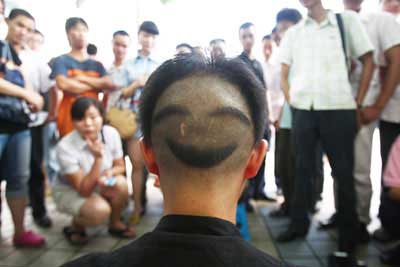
(80, 236)
(135, 219)
(122, 233)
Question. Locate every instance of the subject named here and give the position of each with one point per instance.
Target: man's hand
(142, 80)
(34, 100)
(370, 114)
(80, 78)
(95, 147)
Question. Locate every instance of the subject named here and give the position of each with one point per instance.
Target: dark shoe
(279, 213)
(75, 237)
(382, 235)
(127, 232)
(391, 257)
(342, 259)
(291, 234)
(328, 224)
(249, 208)
(44, 221)
(363, 234)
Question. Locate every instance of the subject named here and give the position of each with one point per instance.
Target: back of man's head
(202, 118)
(288, 14)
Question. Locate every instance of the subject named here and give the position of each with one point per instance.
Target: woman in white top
(91, 186)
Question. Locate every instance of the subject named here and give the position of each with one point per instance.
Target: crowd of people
(327, 81)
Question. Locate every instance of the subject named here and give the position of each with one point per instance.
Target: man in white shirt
(324, 109)
(37, 72)
(384, 33)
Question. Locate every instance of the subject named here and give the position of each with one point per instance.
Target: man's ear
(256, 159)
(149, 158)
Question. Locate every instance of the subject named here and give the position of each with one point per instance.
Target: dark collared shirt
(182, 241)
(254, 65)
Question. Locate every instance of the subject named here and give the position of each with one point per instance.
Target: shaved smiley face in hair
(203, 121)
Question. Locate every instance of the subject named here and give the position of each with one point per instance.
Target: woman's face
(90, 125)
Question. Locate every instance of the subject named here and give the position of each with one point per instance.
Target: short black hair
(149, 27)
(91, 49)
(216, 41)
(246, 25)
(82, 104)
(73, 21)
(182, 66)
(184, 45)
(38, 32)
(121, 32)
(289, 14)
(267, 37)
(15, 12)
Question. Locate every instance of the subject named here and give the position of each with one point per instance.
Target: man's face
(247, 37)
(1, 8)
(35, 41)
(282, 27)
(267, 48)
(146, 40)
(354, 5)
(19, 29)
(391, 6)
(77, 36)
(120, 46)
(217, 50)
(310, 3)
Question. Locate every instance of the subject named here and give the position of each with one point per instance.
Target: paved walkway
(311, 252)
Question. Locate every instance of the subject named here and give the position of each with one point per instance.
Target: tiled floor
(311, 252)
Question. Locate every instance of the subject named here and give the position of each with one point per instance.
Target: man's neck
(17, 47)
(249, 53)
(210, 204)
(144, 53)
(79, 54)
(317, 12)
(118, 62)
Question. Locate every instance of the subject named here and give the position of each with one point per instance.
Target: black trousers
(388, 133)
(336, 130)
(284, 164)
(285, 167)
(37, 178)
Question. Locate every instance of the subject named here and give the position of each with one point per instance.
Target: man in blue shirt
(139, 69)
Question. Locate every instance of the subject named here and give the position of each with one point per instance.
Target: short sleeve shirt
(384, 33)
(314, 52)
(69, 67)
(137, 67)
(73, 153)
(120, 77)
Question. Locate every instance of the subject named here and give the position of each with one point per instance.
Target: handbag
(12, 109)
(122, 119)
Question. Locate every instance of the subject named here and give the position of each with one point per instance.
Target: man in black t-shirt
(247, 39)
(203, 126)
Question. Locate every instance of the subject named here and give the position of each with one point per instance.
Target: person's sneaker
(44, 221)
(29, 239)
(382, 235)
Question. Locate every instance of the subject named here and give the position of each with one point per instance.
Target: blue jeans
(49, 152)
(15, 156)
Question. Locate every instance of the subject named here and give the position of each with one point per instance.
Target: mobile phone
(110, 181)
